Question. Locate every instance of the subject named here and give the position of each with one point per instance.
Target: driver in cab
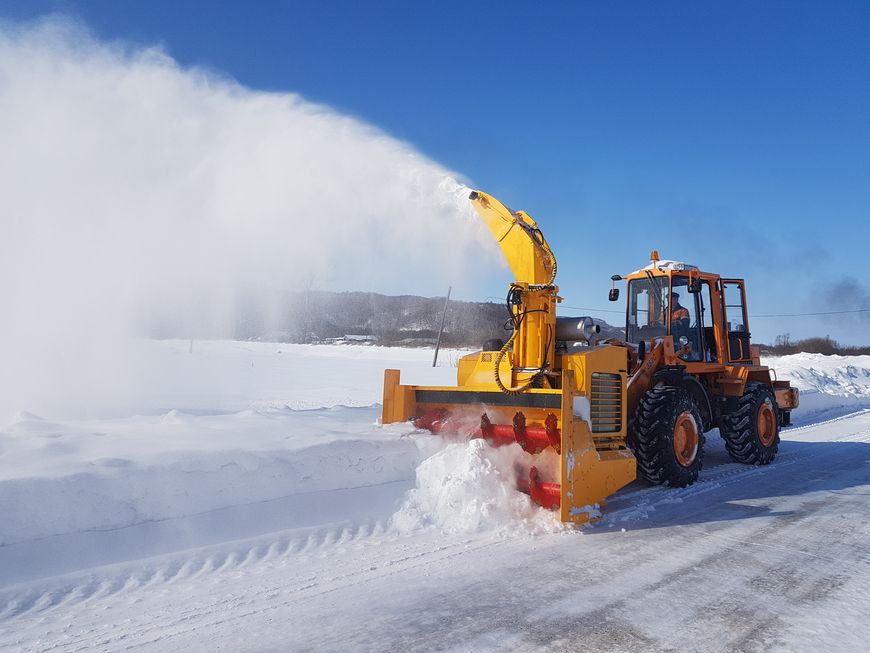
(679, 315)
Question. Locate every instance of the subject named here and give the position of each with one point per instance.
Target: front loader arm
(641, 377)
(521, 242)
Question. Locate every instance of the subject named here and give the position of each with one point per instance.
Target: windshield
(656, 309)
(647, 300)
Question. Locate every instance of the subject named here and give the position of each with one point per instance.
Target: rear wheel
(668, 441)
(751, 431)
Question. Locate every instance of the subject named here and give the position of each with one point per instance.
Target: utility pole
(441, 328)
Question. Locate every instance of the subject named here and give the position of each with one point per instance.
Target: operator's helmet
(675, 296)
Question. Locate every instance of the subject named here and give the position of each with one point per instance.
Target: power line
(594, 310)
(857, 310)
(575, 308)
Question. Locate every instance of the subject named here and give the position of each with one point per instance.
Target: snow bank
(238, 428)
(73, 479)
(828, 384)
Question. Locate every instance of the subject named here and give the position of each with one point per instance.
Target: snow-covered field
(248, 500)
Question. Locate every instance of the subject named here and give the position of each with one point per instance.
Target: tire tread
(738, 429)
(652, 437)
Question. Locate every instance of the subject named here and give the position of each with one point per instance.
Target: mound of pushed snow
(470, 487)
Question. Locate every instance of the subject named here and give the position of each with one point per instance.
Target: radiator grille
(605, 399)
(486, 358)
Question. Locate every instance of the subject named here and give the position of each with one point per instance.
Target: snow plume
(471, 486)
(139, 193)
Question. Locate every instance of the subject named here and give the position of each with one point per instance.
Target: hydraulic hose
(517, 321)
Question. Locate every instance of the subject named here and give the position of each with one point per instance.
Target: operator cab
(666, 301)
(697, 309)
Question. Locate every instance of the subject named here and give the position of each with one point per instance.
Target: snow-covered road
(774, 558)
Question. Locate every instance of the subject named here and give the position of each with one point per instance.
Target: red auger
(533, 439)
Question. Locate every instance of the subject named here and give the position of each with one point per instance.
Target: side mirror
(614, 291)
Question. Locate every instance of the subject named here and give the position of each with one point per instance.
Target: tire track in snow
(269, 599)
(68, 591)
(385, 557)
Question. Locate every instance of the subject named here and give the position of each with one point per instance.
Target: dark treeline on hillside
(409, 320)
(785, 345)
(405, 319)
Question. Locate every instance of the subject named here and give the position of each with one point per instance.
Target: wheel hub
(686, 438)
(765, 424)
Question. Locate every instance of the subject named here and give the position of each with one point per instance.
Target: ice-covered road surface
(774, 558)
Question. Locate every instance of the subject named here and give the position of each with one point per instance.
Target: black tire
(653, 434)
(493, 344)
(749, 437)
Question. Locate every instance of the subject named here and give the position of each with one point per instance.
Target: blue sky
(733, 135)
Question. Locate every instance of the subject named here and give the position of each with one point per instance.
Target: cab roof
(667, 266)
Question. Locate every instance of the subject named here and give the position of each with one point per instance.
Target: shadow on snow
(727, 491)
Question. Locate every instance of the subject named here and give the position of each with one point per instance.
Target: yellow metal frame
(592, 465)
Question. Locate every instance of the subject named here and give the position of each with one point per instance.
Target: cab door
(736, 320)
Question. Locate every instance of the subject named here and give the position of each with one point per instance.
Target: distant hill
(409, 320)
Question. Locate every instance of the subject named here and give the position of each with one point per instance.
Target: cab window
(734, 303)
(709, 334)
(685, 327)
(647, 302)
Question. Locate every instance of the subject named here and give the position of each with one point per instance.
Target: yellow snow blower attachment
(549, 387)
